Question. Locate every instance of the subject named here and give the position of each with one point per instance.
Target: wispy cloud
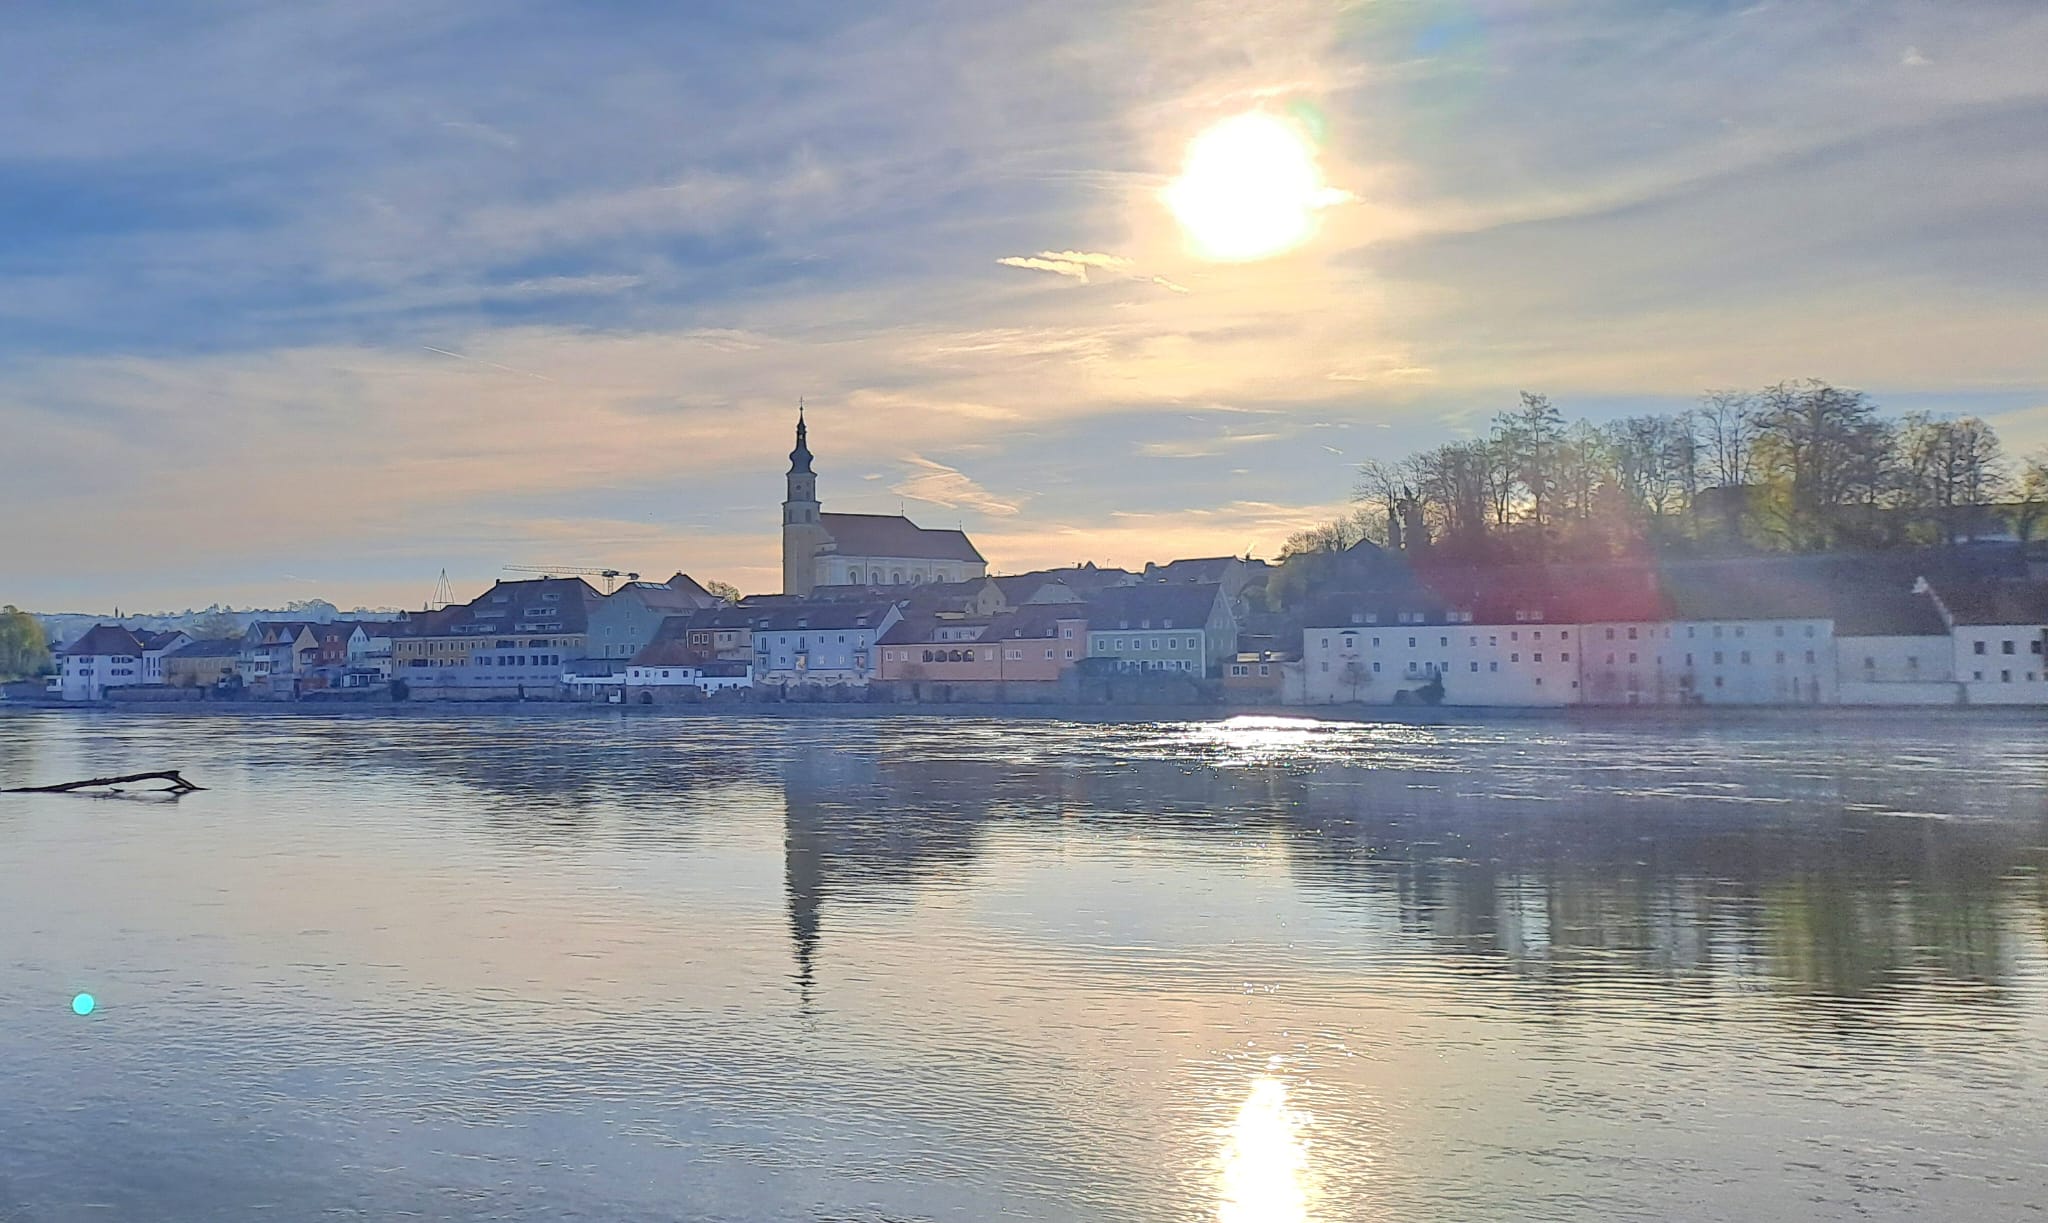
(467, 260)
(939, 484)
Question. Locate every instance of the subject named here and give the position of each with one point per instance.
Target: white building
(107, 656)
(1710, 662)
(820, 643)
(1393, 652)
(1892, 647)
(1999, 632)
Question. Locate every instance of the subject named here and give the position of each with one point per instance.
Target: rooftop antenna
(444, 594)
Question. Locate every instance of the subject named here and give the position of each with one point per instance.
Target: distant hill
(66, 627)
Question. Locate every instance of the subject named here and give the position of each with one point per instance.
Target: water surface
(694, 968)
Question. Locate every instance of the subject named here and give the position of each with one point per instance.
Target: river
(680, 968)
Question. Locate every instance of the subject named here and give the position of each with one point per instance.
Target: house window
(1631, 632)
(1411, 643)
(2005, 647)
(2005, 677)
(1869, 662)
(1777, 630)
(1745, 656)
(1375, 668)
(1237, 670)
(1265, 669)
(1631, 656)
(1809, 657)
(1610, 634)
(1375, 643)
(1048, 651)
(1326, 666)
(1493, 666)
(1070, 653)
(1535, 658)
(1717, 658)
(1912, 661)
(1475, 668)
(1976, 675)
(1446, 641)
(1514, 658)
(1781, 656)
(1717, 681)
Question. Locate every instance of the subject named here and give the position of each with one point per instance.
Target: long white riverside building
(1727, 633)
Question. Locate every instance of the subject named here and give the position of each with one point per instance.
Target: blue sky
(310, 299)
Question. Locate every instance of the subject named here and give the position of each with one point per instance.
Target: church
(820, 549)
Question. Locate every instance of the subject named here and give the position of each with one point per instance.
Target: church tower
(803, 535)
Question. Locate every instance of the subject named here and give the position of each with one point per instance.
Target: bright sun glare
(1250, 188)
(1265, 1162)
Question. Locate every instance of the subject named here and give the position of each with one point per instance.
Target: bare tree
(2031, 497)
(1728, 429)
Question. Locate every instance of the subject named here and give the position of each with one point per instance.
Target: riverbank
(1441, 715)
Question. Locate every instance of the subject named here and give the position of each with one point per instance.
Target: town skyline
(319, 304)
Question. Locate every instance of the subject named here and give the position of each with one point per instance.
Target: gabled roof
(1995, 602)
(212, 647)
(893, 535)
(818, 617)
(1193, 569)
(1081, 579)
(1034, 620)
(1158, 605)
(106, 639)
(506, 605)
(667, 652)
(677, 594)
(162, 640)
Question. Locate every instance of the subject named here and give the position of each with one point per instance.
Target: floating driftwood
(178, 783)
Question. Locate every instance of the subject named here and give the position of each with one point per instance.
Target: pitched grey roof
(106, 639)
(1157, 605)
(217, 647)
(1995, 602)
(894, 535)
(508, 604)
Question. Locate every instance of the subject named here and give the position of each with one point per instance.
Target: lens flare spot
(1265, 1161)
(1250, 188)
(83, 1004)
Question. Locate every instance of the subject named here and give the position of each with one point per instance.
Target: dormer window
(1372, 617)
(1357, 618)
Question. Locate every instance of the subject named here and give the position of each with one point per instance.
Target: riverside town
(1465, 579)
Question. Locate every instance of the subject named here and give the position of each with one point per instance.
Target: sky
(318, 300)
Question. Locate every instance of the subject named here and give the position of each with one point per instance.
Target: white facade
(86, 677)
(683, 677)
(153, 656)
(835, 570)
(2001, 664)
(1709, 662)
(1500, 665)
(1896, 669)
(807, 654)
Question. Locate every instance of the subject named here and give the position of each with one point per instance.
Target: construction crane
(555, 571)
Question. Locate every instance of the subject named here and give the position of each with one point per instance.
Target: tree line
(1795, 467)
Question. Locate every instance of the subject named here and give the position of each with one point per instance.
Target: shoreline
(1445, 715)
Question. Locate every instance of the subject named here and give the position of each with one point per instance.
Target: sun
(1249, 189)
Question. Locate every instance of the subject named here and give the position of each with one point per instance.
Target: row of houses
(1936, 629)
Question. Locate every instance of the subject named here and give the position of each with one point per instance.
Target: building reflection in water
(1558, 869)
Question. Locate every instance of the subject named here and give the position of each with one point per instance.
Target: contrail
(523, 373)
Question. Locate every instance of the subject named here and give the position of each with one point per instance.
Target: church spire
(800, 458)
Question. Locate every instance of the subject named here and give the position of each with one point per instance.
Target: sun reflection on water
(1265, 1161)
